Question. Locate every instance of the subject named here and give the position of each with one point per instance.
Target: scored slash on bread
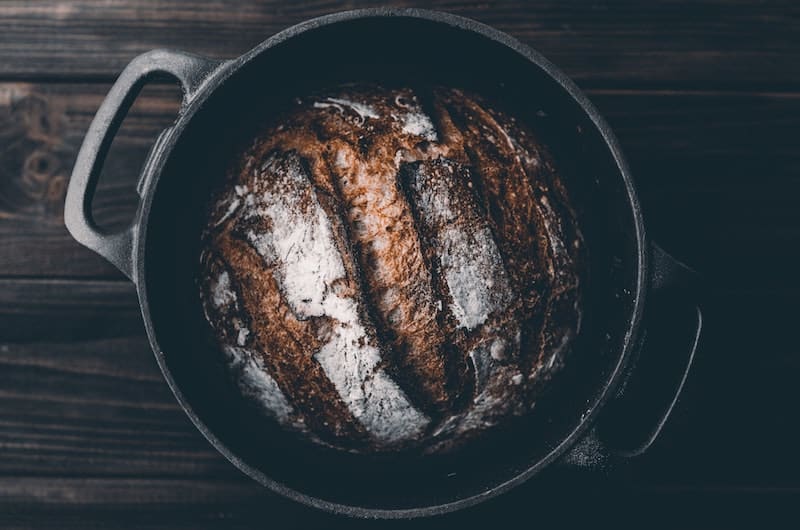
(403, 276)
(282, 343)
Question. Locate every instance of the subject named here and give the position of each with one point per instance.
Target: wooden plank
(80, 391)
(117, 492)
(717, 173)
(69, 311)
(95, 408)
(41, 129)
(741, 43)
(125, 504)
(91, 502)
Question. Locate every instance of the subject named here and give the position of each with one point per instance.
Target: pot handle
(190, 70)
(672, 325)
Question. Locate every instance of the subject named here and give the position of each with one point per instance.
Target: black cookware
(224, 101)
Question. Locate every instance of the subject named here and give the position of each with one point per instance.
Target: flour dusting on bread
(385, 271)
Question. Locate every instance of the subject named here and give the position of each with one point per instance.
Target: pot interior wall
(406, 51)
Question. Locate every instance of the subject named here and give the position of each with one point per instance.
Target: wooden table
(705, 97)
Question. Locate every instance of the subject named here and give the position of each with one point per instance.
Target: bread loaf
(386, 269)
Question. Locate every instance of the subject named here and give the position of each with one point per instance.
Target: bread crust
(437, 238)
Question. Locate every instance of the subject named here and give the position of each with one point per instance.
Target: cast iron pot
(224, 101)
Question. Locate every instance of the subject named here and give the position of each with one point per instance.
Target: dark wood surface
(705, 98)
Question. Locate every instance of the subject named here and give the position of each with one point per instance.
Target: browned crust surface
(360, 159)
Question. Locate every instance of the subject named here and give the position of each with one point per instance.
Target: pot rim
(228, 69)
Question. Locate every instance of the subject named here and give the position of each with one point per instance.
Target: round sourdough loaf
(397, 268)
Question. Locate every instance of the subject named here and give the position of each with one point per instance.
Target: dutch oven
(224, 101)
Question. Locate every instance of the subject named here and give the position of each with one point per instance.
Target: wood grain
(105, 411)
(125, 504)
(668, 43)
(41, 129)
(73, 311)
(110, 491)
